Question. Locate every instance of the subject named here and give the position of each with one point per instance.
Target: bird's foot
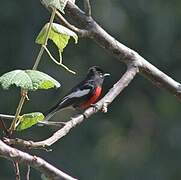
(95, 106)
(104, 108)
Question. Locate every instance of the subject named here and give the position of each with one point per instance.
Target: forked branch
(121, 52)
(91, 29)
(36, 162)
(102, 104)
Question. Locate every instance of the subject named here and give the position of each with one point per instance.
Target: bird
(83, 95)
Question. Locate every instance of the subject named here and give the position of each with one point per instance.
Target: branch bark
(121, 52)
(28, 172)
(136, 63)
(102, 104)
(36, 162)
(16, 170)
(87, 7)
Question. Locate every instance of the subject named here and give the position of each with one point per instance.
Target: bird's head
(97, 73)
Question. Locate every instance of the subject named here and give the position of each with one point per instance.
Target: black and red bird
(82, 95)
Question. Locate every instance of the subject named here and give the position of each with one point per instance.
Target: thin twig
(79, 32)
(37, 163)
(28, 172)
(51, 123)
(103, 103)
(16, 170)
(4, 116)
(87, 8)
(3, 125)
(37, 61)
(40, 123)
(122, 52)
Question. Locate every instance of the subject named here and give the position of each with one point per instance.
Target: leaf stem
(37, 61)
(58, 63)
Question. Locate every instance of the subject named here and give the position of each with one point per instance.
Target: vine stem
(18, 111)
(58, 63)
(37, 61)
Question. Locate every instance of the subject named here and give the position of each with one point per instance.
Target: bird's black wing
(78, 94)
(75, 97)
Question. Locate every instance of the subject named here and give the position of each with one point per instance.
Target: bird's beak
(106, 74)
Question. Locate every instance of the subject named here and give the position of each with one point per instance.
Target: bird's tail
(50, 113)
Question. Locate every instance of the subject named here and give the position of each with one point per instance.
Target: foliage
(59, 4)
(28, 120)
(31, 80)
(139, 138)
(59, 34)
(28, 79)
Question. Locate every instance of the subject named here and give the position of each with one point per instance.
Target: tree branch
(80, 32)
(102, 104)
(121, 52)
(135, 63)
(16, 170)
(28, 172)
(36, 162)
(87, 7)
(41, 123)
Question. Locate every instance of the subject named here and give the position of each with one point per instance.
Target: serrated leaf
(41, 80)
(28, 79)
(28, 120)
(59, 4)
(59, 34)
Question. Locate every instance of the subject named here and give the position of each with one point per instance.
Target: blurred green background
(139, 137)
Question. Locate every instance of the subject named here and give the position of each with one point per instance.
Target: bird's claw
(95, 106)
(104, 108)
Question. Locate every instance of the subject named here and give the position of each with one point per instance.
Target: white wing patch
(79, 93)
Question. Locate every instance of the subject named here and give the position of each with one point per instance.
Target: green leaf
(59, 34)
(41, 80)
(28, 79)
(59, 4)
(28, 120)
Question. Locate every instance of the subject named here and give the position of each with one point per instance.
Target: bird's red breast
(93, 98)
